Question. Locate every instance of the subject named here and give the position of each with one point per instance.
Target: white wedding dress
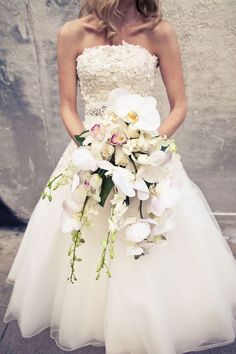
(180, 298)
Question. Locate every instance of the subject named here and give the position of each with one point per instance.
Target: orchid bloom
(134, 251)
(84, 159)
(141, 188)
(151, 174)
(136, 230)
(114, 94)
(166, 194)
(97, 134)
(69, 221)
(121, 159)
(97, 139)
(126, 181)
(156, 158)
(118, 139)
(121, 177)
(150, 166)
(86, 184)
(95, 183)
(75, 182)
(107, 151)
(165, 224)
(138, 111)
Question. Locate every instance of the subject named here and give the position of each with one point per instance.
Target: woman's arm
(67, 51)
(168, 51)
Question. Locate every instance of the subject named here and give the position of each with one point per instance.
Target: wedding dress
(180, 298)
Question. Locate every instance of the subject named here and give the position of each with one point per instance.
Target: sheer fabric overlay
(180, 298)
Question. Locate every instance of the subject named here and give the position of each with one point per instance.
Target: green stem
(133, 163)
(54, 179)
(76, 242)
(83, 209)
(103, 257)
(48, 193)
(140, 208)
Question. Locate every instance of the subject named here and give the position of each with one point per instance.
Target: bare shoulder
(163, 36)
(71, 29)
(74, 31)
(164, 30)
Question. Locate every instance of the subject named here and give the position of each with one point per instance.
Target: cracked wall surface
(32, 136)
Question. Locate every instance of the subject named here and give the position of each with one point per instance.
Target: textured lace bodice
(105, 67)
(102, 68)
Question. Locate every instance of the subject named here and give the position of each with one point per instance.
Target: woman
(182, 296)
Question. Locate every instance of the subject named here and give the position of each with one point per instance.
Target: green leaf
(101, 172)
(107, 185)
(80, 138)
(83, 132)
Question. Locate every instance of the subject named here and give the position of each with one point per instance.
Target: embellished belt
(95, 111)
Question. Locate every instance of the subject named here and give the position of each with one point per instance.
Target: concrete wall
(32, 136)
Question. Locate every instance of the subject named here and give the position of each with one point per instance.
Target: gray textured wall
(32, 136)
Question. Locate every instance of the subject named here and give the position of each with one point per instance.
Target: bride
(182, 296)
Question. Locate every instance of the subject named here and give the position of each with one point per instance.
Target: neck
(129, 10)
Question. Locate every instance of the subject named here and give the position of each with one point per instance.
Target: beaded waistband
(95, 111)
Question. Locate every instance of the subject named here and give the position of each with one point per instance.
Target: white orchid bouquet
(122, 156)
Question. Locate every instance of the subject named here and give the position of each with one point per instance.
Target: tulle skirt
(179, 298)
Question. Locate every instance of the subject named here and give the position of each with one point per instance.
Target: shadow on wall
(9, 219)
(25, 158)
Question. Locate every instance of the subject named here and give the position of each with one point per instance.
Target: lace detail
(102, 68)
(95, 111)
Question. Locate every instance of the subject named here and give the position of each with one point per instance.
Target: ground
(11, 341)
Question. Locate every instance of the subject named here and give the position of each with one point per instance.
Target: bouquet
(122, 156)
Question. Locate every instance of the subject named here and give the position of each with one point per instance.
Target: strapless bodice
(102, 68)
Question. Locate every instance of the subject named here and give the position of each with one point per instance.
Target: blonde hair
(107, 12)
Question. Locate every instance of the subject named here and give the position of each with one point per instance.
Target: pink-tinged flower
(97, 134)
(95, 129)
(117, 139)
(86, 183)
